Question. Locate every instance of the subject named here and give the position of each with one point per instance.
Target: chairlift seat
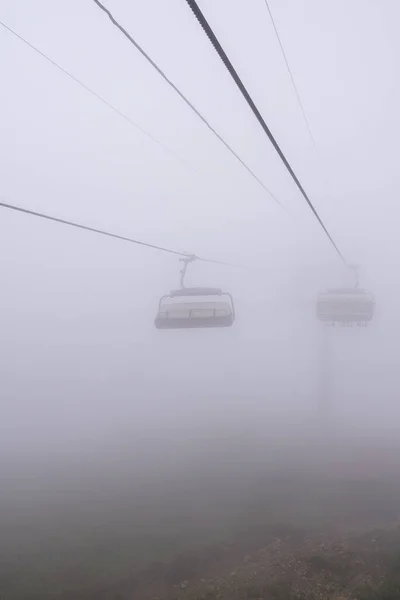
(192, 314)
(346, 305)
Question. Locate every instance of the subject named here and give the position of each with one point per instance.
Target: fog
(97, 403)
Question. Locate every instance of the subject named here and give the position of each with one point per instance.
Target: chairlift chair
(195, 307)
(346, 306)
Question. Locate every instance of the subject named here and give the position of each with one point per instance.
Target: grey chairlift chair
(195, 307)
(346, 306)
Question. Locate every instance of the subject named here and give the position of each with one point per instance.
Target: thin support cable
(185, 99)
(110, 234)
(296, 91)
(96, 95)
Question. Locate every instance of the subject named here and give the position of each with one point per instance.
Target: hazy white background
(80, 358)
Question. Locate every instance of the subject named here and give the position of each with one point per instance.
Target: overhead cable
(95, 94)
(184, 98)
(296, 91)
(48, 217)
(223, 56)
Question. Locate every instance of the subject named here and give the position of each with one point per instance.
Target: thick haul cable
(223, 56)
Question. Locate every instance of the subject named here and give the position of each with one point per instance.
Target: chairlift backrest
(350, 291)
(196, 291)
(346, 305)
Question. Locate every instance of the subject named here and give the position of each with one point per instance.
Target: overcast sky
(79, 351)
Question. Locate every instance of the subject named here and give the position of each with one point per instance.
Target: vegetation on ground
(275, 540)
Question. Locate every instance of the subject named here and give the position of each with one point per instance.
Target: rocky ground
(274, 565)
(230, 536)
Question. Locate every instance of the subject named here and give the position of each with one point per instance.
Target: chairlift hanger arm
(186, 260)
(356, 272)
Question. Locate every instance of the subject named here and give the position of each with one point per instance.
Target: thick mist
(112, 429)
